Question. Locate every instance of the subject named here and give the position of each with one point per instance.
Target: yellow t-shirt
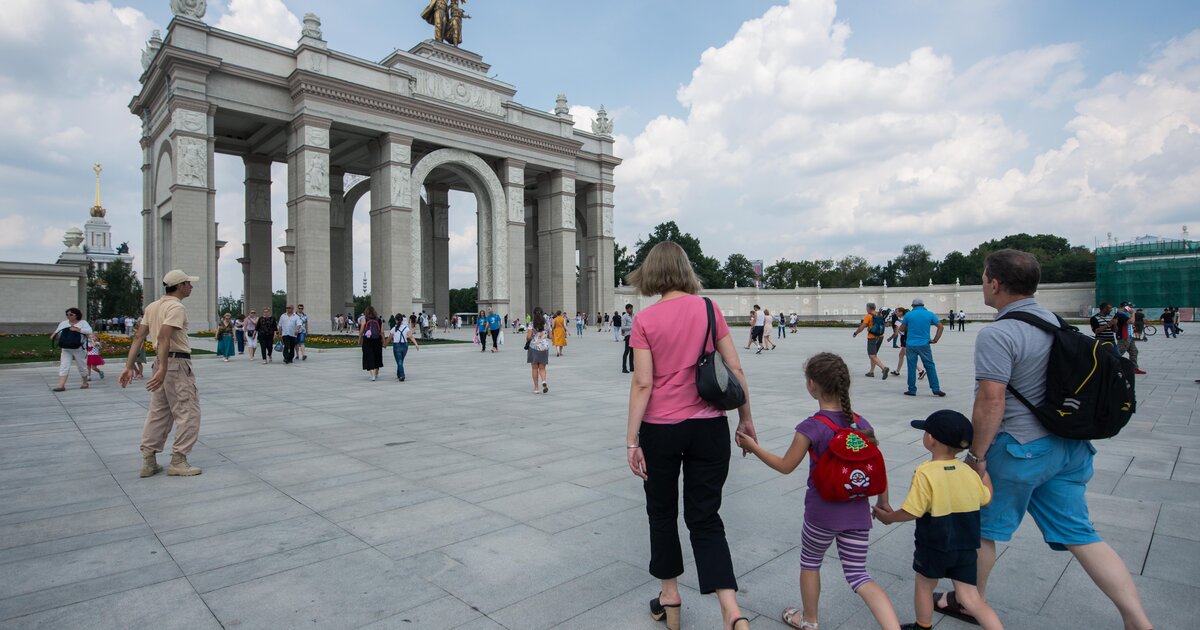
(945, 497)
(168, 310)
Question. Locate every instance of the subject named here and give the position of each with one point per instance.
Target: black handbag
(713, 380)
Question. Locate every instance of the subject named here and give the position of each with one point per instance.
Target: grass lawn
(32, 348)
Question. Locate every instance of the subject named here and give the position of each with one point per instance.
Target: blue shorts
(300, 337)
(1046, 477)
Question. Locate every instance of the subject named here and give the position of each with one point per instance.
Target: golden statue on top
(446, 17)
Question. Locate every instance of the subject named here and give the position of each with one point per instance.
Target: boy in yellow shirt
(945, 498)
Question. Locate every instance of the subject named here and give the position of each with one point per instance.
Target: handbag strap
(710, 332)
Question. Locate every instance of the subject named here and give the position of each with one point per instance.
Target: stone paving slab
(449, 501)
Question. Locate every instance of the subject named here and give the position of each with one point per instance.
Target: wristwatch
(971, 458)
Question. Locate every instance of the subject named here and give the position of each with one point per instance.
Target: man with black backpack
(1019, 370)
(71, 337)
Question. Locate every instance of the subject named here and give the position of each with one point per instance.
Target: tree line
(915, 265)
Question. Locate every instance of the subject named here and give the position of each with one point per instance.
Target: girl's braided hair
(832, 377)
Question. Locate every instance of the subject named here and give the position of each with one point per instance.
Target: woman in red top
(671, 427)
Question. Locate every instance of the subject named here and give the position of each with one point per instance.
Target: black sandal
(952, 608)
(668, 612)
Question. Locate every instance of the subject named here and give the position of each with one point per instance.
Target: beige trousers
(176, 402)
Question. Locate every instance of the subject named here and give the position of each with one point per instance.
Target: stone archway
(492, 224)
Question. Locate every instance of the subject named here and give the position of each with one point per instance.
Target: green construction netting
(1151, 275)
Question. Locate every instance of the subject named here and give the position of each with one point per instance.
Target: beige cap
(177, 276)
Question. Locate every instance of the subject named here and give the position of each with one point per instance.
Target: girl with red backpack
(845, 469)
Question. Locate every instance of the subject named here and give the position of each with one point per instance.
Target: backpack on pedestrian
(371, 328)
(1089, 388)
(879, 322)
(851, 466)
(70, 339)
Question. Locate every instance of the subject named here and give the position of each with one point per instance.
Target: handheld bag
(713, 380)
(70, 339)
(851, 467)
(1089, 388)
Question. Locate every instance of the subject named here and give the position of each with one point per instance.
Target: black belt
(179, 355)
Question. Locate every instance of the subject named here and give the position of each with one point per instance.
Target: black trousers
(627, 358)
(701, 448)
(289, 348)
(267, 344)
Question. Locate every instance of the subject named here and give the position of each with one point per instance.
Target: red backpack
(851, 466)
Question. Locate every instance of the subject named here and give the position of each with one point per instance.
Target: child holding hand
(846, 522)
(945, 498)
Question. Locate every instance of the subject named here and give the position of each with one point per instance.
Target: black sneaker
(907, 393)
(940, 394)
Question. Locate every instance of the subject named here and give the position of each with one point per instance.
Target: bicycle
(1149, 330)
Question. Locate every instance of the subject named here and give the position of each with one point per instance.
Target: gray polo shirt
(1016, 353)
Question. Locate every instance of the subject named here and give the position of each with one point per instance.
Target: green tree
(707, 268)
(622, 263)
(464, 300)
(914, 266)
(229, 304)
(958, 266)
(847, 272)
(278, 303)
(361, 302)
(91, 310)
(118, 290)
(739, 271)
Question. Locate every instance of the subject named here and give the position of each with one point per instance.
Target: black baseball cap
(948, 427)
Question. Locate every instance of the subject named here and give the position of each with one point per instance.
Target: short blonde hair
(665, 269)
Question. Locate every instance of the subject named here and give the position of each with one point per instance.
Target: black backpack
(1089, 388)
(70, 339)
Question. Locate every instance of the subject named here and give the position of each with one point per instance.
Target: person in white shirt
(71, 337)
(301, 333)
(289, 326)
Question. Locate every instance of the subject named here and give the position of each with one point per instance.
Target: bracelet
(633, 446)
(971, 458)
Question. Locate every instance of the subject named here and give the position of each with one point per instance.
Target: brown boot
(180, 467)
(150, 465)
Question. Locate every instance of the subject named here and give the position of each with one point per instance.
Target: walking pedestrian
(301, 333)
(768, 324)
(875, 324)
(670, 428)
(626, 332)
(370, 337)
(538, 354)
(559, 333)
(71, 335)
(493, 328)
(782, 326)
(268, 329)
(962, 321)
(1126, 342)
(239, 333)
(401, 337)
(916, 326)
(251, 328)
(174, 399)
(225, 337)
(288, 326)
(616, 326)
(94, 360)
(481, 331)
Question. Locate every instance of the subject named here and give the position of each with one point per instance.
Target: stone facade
(35, 295)
(814, 303)
(404, 131)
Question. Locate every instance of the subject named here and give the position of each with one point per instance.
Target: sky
(800, 130)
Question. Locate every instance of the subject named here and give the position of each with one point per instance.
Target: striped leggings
(852, 551)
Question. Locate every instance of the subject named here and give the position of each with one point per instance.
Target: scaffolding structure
(1151, 273)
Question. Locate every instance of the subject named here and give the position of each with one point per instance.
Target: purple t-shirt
(832, 515)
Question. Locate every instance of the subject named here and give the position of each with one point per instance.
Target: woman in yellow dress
(560, 333)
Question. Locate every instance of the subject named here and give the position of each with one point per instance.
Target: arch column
(599, 248)
(188, 219)
(556, 241)
(256, 251)
(339, 224)
(437, 294)
(308, 219)
(512, 174)
(392, 229)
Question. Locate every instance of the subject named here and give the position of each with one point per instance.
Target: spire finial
(97, 210)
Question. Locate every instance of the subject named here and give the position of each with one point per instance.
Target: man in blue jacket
(916, 325)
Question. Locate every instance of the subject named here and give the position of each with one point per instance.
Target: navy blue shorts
(957, 564)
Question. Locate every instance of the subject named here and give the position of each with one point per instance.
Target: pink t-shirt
(673, 332)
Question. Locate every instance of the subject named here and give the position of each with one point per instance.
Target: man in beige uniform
(173, 396)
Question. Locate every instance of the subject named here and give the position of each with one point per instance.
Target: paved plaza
(460, 500)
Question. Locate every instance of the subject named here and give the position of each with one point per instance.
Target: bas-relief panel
(516, 176)
(401, 187)
(459, 92)
(516, 205)
(316, 174)
(190, 121)
(568, 210)
(192, 169)
(316, 137)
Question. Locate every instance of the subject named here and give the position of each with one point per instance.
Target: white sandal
(792, 616)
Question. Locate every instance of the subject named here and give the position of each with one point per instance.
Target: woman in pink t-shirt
(671, 427)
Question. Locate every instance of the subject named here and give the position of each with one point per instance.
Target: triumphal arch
(401, 132)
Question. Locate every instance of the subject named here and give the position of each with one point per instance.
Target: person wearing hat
(916, 330)
(173, 395)
(944, 499)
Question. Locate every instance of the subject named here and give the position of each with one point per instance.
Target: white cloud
(791, 148)
(268, 20)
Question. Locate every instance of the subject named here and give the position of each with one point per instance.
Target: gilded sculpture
(446, 17)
